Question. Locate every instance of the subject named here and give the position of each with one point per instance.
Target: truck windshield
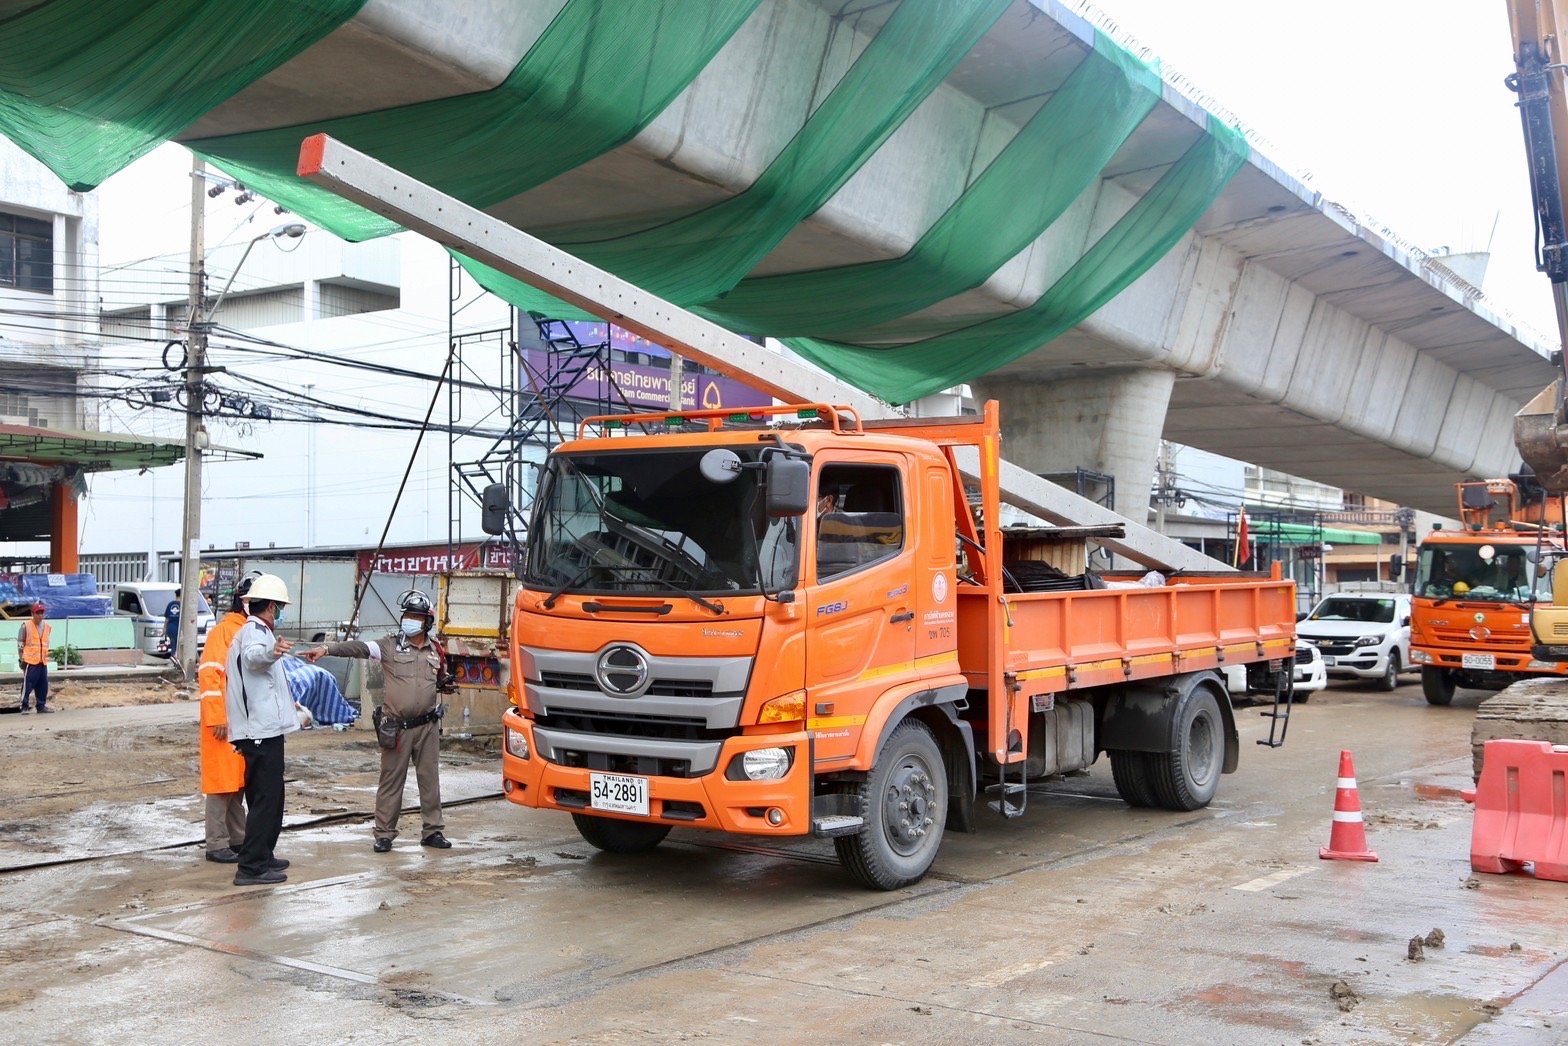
(1462, 572)
(1367, 611)
(642, 521)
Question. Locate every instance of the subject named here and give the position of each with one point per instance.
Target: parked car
(1361, 635)
(1307, 680)
(145, 602)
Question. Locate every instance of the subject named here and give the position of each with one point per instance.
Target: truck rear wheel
(904, 802)
(1437, 684)
(1130, 771)
(619, 837)
(1186, 776)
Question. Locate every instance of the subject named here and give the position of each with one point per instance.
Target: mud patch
(1245, 1005)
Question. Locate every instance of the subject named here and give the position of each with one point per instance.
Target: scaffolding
(543, 380)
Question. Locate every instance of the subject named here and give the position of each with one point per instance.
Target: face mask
(411, 628)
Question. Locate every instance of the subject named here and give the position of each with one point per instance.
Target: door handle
(908, 615)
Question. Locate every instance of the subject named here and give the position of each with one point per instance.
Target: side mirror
(1396, 567)
(496, 501)
(720, 466)
(1405, 621)
(788, 486)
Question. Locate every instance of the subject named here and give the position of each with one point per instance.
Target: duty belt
(409, 724)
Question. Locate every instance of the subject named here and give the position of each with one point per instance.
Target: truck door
(860, 637)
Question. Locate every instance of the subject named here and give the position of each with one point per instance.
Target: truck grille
(659, 687)
(1337, 648)
(1498, 640)
(667, 728)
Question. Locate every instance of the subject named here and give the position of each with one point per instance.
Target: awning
(99, 451)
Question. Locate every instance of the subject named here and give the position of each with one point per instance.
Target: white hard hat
(269, 587)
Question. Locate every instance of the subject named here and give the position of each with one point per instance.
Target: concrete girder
(1282, 298)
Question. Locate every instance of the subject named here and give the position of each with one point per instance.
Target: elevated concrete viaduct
(1281, 330)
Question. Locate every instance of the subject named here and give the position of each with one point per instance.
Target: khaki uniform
(410, 693)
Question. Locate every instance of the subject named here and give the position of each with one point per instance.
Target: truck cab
(1475, 588)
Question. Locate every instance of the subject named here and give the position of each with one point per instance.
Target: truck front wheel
(619, 837)
(904, 802)
(1187, 774)
(1437, 684)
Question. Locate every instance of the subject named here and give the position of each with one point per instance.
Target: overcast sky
(1396, 107)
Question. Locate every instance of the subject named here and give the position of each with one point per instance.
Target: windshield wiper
(549, 601)
(706, 604)
(669, 586)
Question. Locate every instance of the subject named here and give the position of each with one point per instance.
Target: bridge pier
(1109, 422)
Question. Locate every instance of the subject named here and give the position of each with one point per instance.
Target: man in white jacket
(261, 711)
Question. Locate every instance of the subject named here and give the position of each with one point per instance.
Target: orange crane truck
(1476, 587)
(788, 622)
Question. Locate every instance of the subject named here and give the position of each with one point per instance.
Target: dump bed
(1022, 648)
(1054, 641)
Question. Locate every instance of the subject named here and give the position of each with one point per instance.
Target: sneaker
(382, 846)
(437, 840)
(223, 856)
(42, 711)
(267, 878)
(277, 864)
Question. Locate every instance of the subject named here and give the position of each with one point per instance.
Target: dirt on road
(117, 769)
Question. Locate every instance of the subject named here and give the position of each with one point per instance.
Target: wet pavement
(1084, 920)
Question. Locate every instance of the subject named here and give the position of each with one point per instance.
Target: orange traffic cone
(1347, 840)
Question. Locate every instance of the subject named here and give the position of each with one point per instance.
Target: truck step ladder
(1279, 715)
(837, 824)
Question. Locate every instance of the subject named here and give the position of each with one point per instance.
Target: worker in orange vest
(222, 768)
(32, 648)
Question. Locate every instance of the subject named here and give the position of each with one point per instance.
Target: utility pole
(677, 377)
(195, 433)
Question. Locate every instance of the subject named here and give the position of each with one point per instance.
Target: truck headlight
(1417, 656)
(1368, 641)
(516, 743)
(765, 764)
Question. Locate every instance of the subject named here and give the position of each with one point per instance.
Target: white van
(145, 602)
(1363, 635)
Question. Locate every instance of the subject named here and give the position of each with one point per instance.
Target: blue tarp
(316, 689)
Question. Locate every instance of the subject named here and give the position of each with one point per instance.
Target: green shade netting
(88, 86)
(1150, 228)
(900, 373)
(1303, 534)
(1053, 158)
(598, 74)
(698, 256)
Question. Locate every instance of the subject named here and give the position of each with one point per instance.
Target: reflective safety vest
(35, 646)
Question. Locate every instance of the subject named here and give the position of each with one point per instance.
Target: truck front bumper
(780, 807)
(1512, 662)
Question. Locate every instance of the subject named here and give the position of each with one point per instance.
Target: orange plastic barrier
(1521, 809)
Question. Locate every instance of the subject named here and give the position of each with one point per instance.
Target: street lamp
(196, 371)
(291, 230)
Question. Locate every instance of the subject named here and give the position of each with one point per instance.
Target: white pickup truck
(1364, 635)
(145, 602)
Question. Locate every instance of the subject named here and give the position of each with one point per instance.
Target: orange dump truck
(1475, 587)
(784, 622)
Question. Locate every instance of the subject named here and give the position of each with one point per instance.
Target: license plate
(1328, 662)
(1482, 661)
(618, 793)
